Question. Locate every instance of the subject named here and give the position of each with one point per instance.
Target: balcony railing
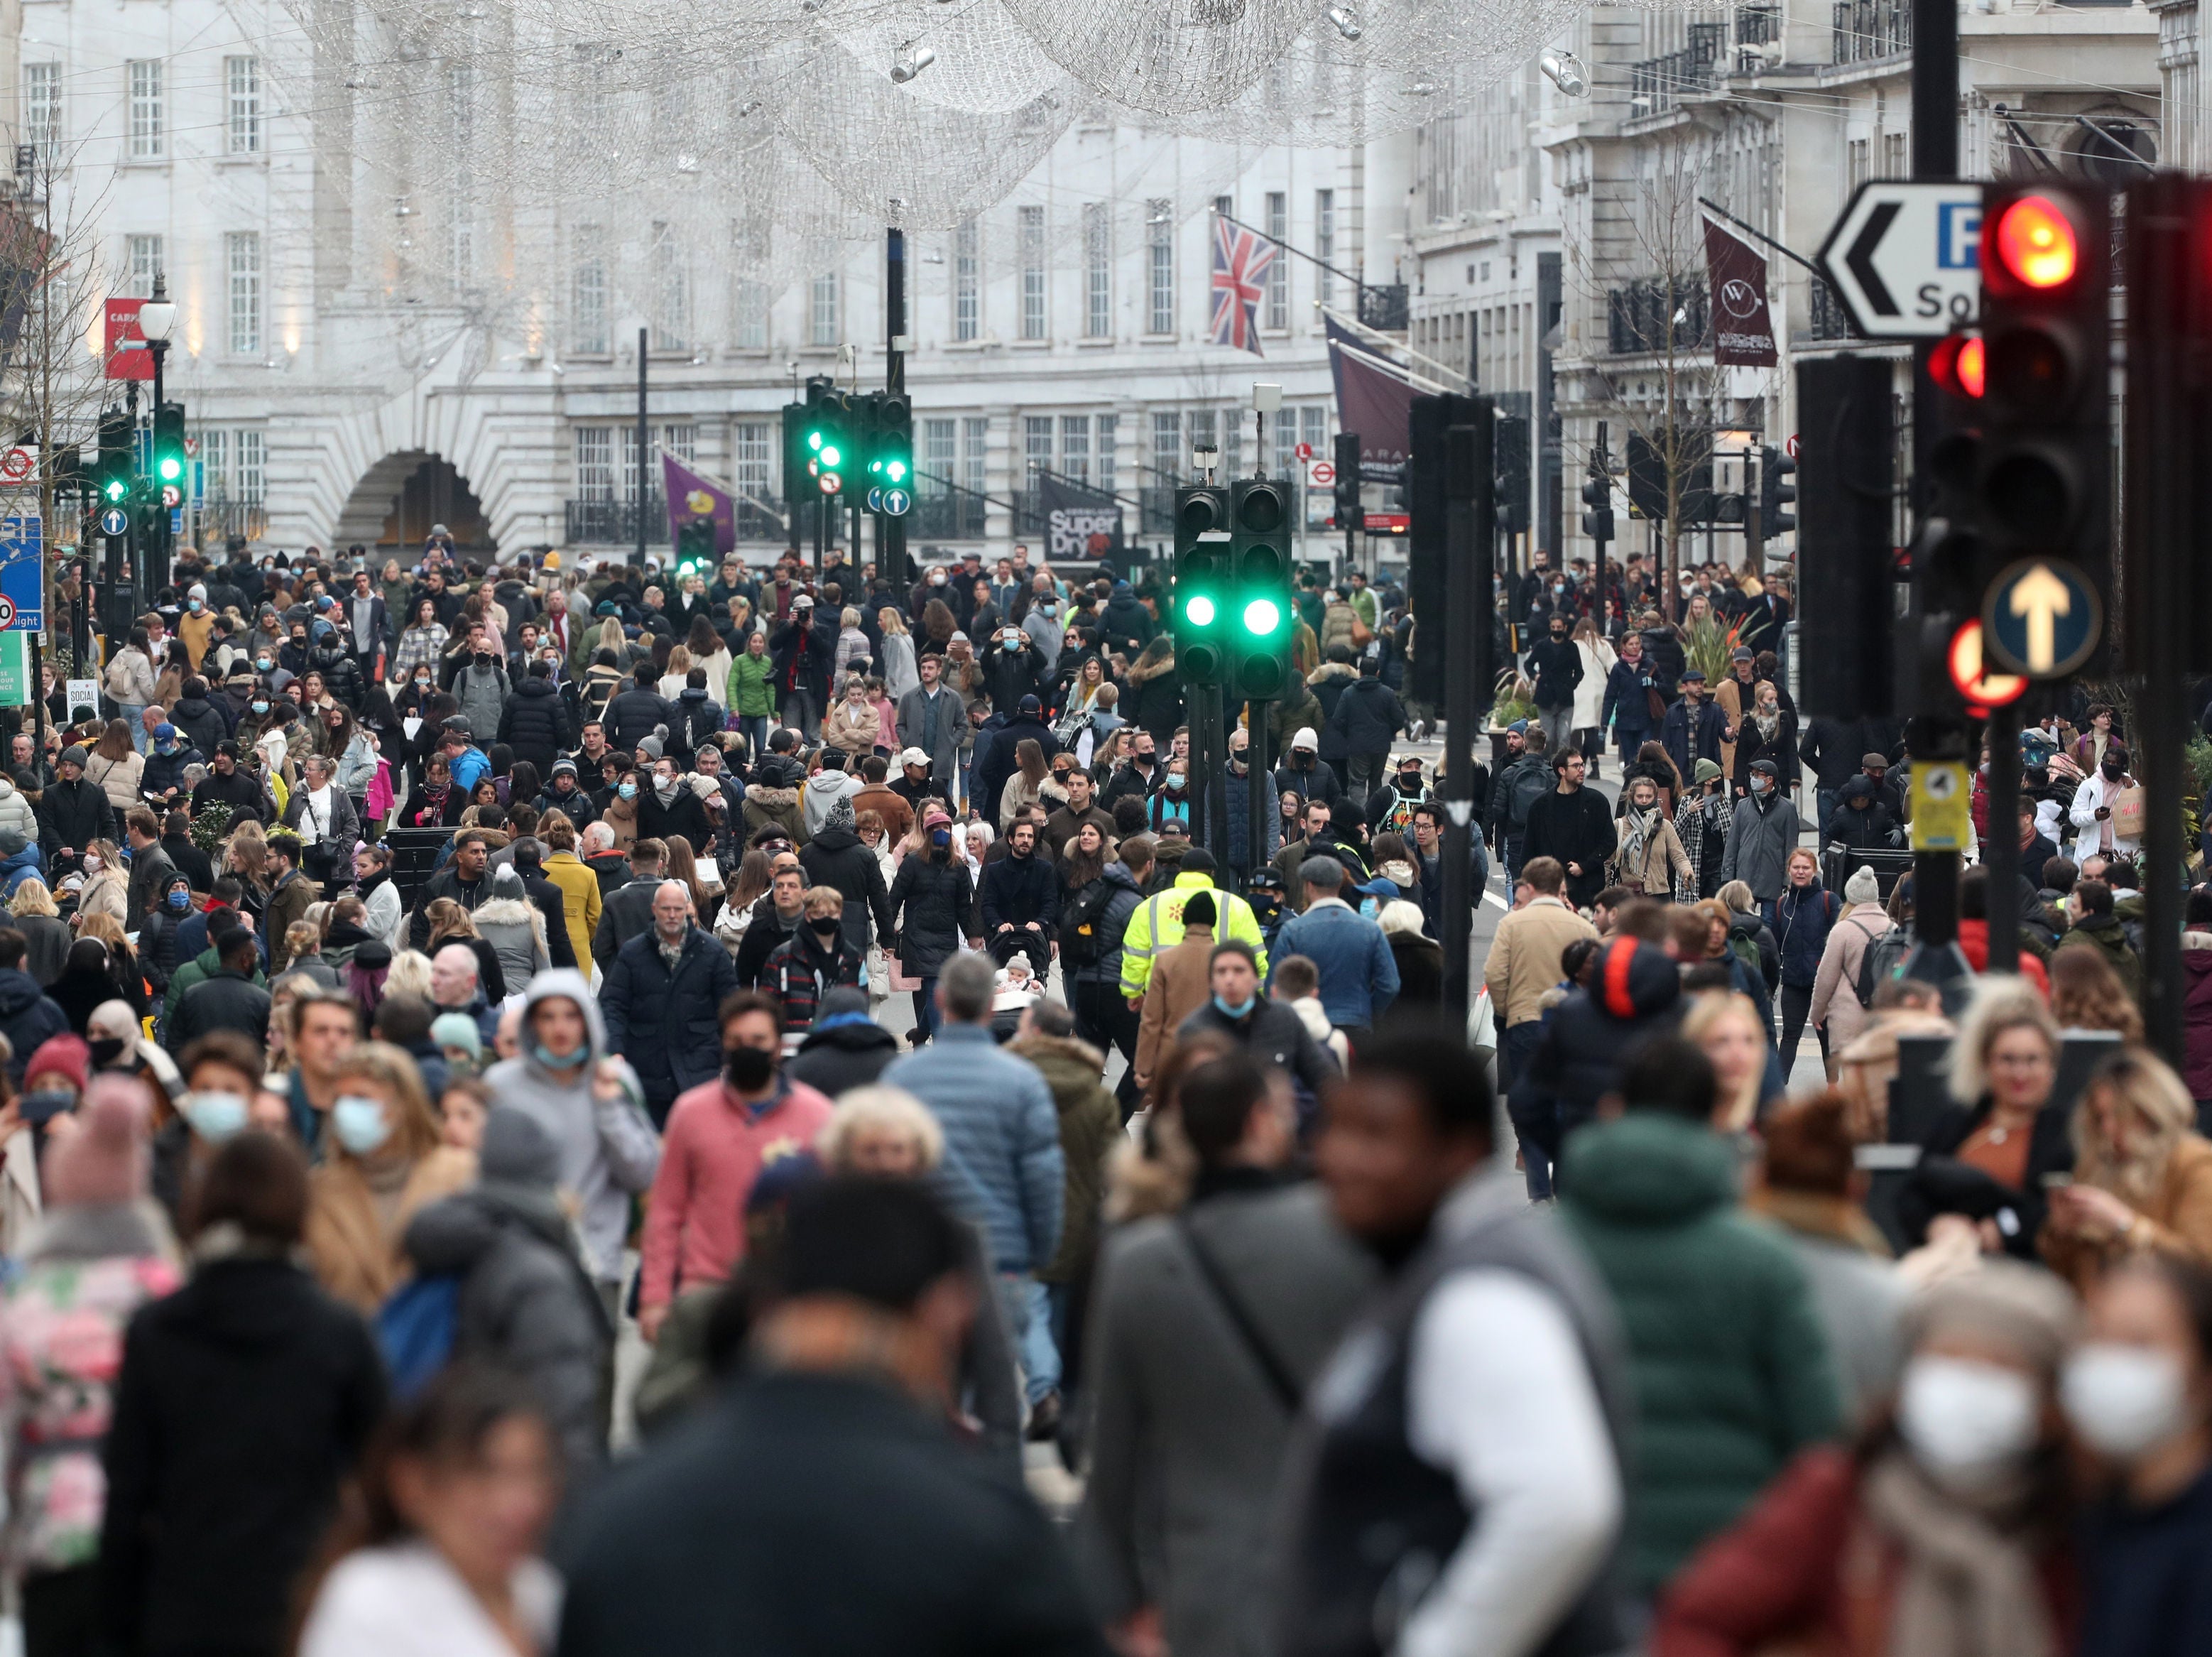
(614, 523)
(1647, 318)
(946, 517)
(1829, 319)
(1866, 29)
(1656, 84)
(221, 518)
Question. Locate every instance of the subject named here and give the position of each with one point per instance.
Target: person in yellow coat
(580, 887)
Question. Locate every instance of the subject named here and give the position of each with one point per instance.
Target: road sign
(19, 464)
(114, 521)
(191, 445)
(2042, 618)
(7, 613)
(1321, 474)
(127, 355)
(1305, 451)
(896, 502)
(876, 499)
(1940, 820)
(1976, 682)
(1905, 259)
(80, 693)
(15, 670)
(22, 578)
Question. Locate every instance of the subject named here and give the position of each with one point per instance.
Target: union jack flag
(1240, 262)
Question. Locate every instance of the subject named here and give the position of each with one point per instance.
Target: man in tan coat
(1524, 962)
(1180, 983)
(1736, 693)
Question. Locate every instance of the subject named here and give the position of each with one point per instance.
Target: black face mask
(484, 658)
(827, 930)
(106, 1050)
(748, 1069)
(2114, 769)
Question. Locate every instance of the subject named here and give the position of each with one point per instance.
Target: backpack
(415, 1328)
(1083, 926)
(1883, 959)
(1532, 783)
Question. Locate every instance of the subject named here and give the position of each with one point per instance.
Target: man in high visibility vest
(1158, 923)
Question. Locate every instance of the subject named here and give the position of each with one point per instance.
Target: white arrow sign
(1905, 259)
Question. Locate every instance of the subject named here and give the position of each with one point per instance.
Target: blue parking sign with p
(1958, 235)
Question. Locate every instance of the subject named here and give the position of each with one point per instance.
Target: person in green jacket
(1726, 1351)
(751, 693)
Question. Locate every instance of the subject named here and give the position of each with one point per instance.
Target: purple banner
(693, 495)
(1372, 397)
(1743, 330)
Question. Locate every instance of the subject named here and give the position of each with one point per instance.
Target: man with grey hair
(601, 857)
(457, 986)
(662, 1000)
(1359, 974)
(1003, 1168)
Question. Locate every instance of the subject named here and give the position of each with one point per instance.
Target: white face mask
(1967, 1423)
(2124, 1401)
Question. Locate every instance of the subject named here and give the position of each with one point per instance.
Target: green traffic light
(172, 468)
(830, 457)
(116, 489)
(814, 439)
(1262, 616)
(895, 471)
(1199, 611)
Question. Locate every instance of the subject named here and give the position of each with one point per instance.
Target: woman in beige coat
(1648, 858)
(1835, 1006)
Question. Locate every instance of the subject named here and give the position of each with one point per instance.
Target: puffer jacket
(1089, 1130)
(1018, 891)
(535, 725)
(526, 1305)
(697, 717)
(1634, 994)
(751, 691)
(198, 720)
(1112, 925)
(516, 931)
(1800, 920)
(632, 715)
(837, 858)
(1367, 717)
(16, 813)
(1728, 1353)
(932, 902)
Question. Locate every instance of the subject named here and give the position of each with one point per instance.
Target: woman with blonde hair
(106, 886)
(1725, 1027)
(2142, 1174)
(1026, 786)
(679, 674)
(49, 936)
(897, 664)
(383, 1162)
(854, 650)
(408, 975)
(451, 923)
(883, 1132)
(2086, 994)
(114, 767)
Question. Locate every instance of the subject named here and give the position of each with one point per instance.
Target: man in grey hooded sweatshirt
(593, 1105)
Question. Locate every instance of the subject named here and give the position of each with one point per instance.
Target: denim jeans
(925, 1007)
(133, 713)
(1516, 1046)
(753, 728)
(1024, 1303)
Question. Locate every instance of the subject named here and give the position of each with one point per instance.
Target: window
(1324, 242)
(1283, 442)
(242, 132)
(822, 310)
(751, 303)
(1159, 268)
(1097, 273)
(678, 442)
(250, 482)
(1232, 442)
(1854, 152)
(967, 282)
(940, 454)
(1075, 445)
(595, 463)
(1036, 445)
(1168, 459)
(588, 323)
(672, 321)
(42, 107)
(214, 454)
(1313, 430)
(149, 137)
(975, 438)
(1031, 220)
(1895, 163)
(1278, 273)
(241, 264)
(752, 459)
(143, 256)
(1108, 428)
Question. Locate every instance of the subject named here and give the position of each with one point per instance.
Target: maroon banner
(1372, 398)
(693, 495)
(1743, 328)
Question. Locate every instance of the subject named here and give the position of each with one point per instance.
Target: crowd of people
(339, 1161)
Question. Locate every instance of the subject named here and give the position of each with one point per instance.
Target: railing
(947, 516)
(1755, 25)
(1648, 317)
(614, 523)
(1829, 319)
(1866, 29)
(221, 519)
(1657, 83)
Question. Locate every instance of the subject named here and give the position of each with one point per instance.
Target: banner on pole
(1743, 327)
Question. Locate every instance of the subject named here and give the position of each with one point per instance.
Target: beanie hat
(841, 813)
(1707, 770)
(506, 883)
(63, 1055)
(458, 1030)
(1863, 887)
(1198, 910)
(651, 746)
(105, 1160)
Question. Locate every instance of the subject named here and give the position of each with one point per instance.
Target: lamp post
(157, 319)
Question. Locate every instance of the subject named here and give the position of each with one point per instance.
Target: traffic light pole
(891, 528)
(644, 448)
(1470, 562)
(1258, 766)
(2001, 846)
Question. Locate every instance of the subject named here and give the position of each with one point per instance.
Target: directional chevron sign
(1905, 259)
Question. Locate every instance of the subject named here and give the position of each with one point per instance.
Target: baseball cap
(165, 733)
(1743, 652)
(913, 757)
(1029, 704)
(957, 637)
(802, 602)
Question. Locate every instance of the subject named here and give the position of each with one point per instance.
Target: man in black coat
(778, 914)
(1304, 771)
(663, 1014)
(837, 858)
(627, 911)
(227, 998)
(1021, 903)
(533, 724)
(804, 652)
(1574, 825)
(199, 720)
(464, 880)
(1556, 665)
(1368, 717)
(72, 812)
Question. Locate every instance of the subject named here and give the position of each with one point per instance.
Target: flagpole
(1397, 371)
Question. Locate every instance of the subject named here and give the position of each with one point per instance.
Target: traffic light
(695, 548)
(1510, 468)
(1597, 495)
(1202, 585)
(1347, 510)
(1261, 616)
(1776, 494)
(2042, 480)
(169, 446)
(830, 442)
(117, 465)
(890, 445)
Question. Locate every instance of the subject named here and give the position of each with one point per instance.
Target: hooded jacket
(800, 971)
(1727, 1355)
(16, 813)
(1634, 994)
(534, 724)
(511, 925)
(198, 720)
(837, 858)
(1367, 717)
(608, 1148)
(844, 1050)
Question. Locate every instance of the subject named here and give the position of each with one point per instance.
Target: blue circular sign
(2042, 618)
(875, 500)
(114, 520)
(897, 501)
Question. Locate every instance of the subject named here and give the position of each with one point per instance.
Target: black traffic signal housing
(890, 441)
(1202, 583)
(794, 451)
(68, 471)
(695, 548)
(1776, 494)
(1597, 495)
(831, 458)
(1262, 617)
(2042, 481)
(1510, 470)
(1348, 516)
(169, 463)
(118, 465)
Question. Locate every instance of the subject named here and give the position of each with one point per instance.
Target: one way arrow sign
(1905, 259)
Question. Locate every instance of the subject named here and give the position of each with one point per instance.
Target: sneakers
(1044, 1420)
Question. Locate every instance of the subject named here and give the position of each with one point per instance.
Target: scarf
(1639, 826)
(1969, 1587)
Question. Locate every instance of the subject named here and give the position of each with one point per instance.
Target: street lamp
(157, 319)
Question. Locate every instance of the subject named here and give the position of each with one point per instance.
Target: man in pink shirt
(719, 1135)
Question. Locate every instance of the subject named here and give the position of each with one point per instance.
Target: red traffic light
(1971, 676)
(2035, 245)
(1960, 365)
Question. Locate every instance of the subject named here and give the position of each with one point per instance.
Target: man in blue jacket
(1358, 975)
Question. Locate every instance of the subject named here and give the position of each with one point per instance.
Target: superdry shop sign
(128, 357)
(1905, 259)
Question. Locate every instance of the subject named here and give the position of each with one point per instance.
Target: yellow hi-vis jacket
(1158, 925)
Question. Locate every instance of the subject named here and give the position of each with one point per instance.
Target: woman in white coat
(1598, 657)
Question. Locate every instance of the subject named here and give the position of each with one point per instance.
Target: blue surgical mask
(260, 707)
(628, 791)
(179, 901)
(554, 1061)
(1235, 1012)
(359, 1123)
(214, 1116)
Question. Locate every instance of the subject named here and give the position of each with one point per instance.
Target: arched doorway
(404, 496)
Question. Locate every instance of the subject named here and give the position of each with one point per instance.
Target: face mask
(937, 580)
(106, 1050)
(360, 1125)
(827, 929)
(1175, 779)
(179, 901)
(627, 791)
(2124, 1401)
(1760, 785)
(1966, 1424)
(484, 658)
(196, 607)
(664, 787)
(214, 1116)
(92, 862)
(1233, 1011)
(422, 682)
(748, 1069)
(260, 705)
(940, 838)
(265, 663)
(554, 1061)
(2114, 769)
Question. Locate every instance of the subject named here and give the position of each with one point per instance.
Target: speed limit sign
(7, 613)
